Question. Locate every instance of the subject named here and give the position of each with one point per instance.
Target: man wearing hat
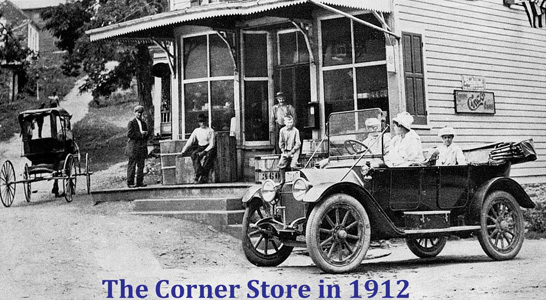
(448, 154)
(405, 147)
(137, 132)
(203, 151)
(375, 139)
(280, 111)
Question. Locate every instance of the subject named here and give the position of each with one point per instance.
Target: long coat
(137, 143)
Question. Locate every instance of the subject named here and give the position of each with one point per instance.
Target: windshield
(357, 132)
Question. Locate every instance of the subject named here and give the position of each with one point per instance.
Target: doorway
(294, 81)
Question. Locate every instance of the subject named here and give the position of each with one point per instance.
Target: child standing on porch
(289, 144)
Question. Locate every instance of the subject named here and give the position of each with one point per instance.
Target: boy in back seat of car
(448, 154)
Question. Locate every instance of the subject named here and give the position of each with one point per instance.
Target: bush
(536, 221)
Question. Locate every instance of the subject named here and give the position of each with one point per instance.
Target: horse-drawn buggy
(49, 145)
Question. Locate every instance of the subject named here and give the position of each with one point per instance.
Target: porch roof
(160, 26)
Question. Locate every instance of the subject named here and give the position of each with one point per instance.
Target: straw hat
(372, 122)
(404, 119)
(446, 131)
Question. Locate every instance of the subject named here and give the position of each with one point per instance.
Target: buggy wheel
(338, 234)
(26, 184)
(502, 228)
(87, 174)
(426, 247)
(7, 183)
(260, 245)
(69, 180)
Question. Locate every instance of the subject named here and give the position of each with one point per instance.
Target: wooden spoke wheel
(69, 180)
(338, 233)
(7, 183)
(502, 227)
(426, 247)
(260, 243)
(87, 174)
(26, 184)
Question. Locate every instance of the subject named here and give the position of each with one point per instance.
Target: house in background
(475, 65)
(22, 27)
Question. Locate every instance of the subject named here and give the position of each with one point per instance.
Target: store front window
(256, 103)
(208, 82)
(353, 65)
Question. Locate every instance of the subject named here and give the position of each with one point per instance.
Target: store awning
(160, 26)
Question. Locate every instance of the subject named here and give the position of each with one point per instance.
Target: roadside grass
(102, 133)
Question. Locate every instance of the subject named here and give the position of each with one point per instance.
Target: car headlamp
(269, 190)
(300, 188)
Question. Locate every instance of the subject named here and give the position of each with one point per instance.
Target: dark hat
(139, 108)
(201, 118)
(279, 94)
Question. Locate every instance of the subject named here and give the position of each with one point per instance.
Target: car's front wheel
(338, 234)
(260, 244)
(426, 247)
(501, 226)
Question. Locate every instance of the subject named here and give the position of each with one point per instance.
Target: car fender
(497, 184)
(252, 192)
(382, 226)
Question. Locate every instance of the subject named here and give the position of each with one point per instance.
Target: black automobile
(337, 210)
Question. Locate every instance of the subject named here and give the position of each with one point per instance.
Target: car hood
(316, 176)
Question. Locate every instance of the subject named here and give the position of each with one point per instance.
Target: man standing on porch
(280, 111)
(203, 149)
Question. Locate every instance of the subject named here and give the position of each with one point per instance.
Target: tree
(68, 22)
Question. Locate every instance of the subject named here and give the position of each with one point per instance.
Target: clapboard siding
(487, 39)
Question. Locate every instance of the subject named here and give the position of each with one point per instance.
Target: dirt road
(50, 249)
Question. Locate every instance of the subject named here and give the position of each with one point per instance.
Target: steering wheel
(355, 147)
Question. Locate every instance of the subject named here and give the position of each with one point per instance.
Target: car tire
(339, 223)
(501, 226)
(426, 247)
(261, 249)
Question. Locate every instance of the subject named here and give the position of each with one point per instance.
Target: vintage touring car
(335, 211)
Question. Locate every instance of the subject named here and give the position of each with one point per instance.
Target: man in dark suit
(137, 132)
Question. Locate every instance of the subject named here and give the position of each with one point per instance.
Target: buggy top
(47, 135)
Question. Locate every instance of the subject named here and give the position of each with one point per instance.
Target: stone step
(188, 204)
(211, 190)
(218, 219)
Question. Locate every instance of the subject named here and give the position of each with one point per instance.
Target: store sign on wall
(472, 83)
(478, 102)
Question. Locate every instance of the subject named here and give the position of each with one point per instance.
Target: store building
(475, 65)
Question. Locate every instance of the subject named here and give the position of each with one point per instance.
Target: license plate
(292, 175)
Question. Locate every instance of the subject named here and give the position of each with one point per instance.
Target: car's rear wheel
(502, 228)
(426, 247)
(338, 234)
(260, 244)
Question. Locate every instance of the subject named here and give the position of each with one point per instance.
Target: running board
(441, 230)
